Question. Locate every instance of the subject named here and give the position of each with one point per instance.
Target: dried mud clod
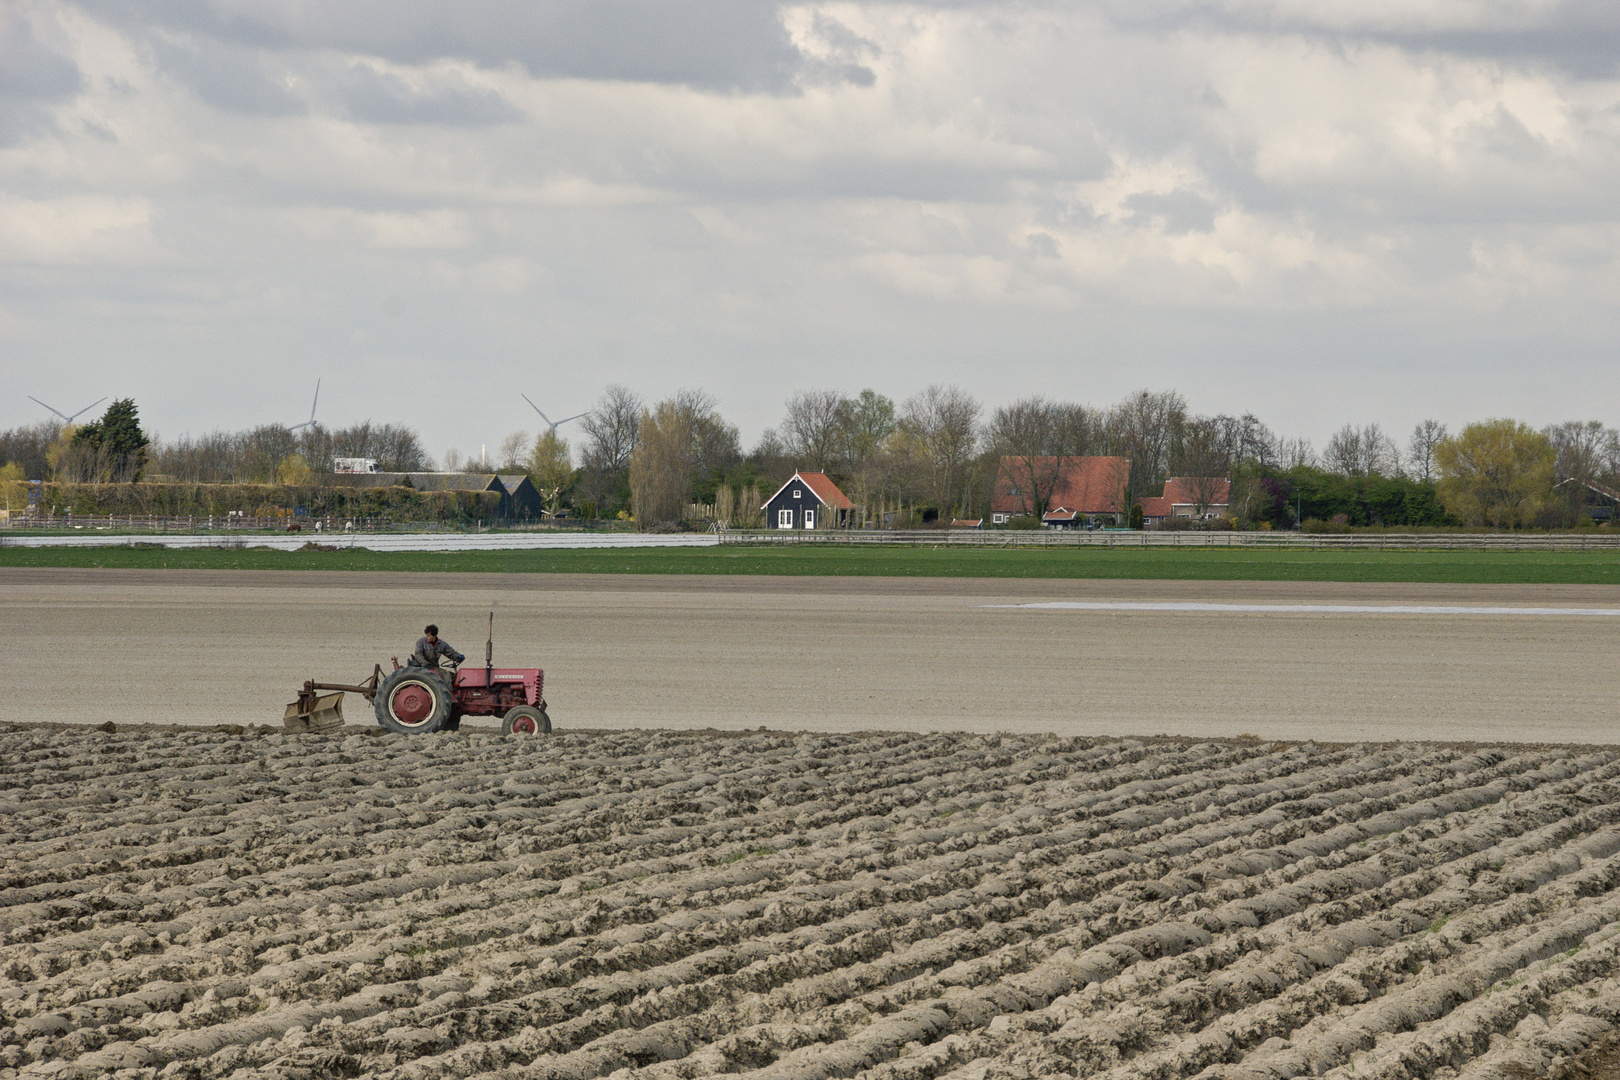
(656, 904)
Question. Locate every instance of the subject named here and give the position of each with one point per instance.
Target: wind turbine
(65, 418)
(553, 426)
(311, 421)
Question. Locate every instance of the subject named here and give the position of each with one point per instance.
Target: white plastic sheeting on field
(1304, 609)
(381, 541)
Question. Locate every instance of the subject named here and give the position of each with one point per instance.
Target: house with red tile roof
(809, 500)
(1064, 491)
(1196, 497)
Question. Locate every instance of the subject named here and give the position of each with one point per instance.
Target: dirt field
(682, 905)
(204, 647)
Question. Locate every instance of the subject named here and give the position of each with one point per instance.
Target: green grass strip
(1235, 564)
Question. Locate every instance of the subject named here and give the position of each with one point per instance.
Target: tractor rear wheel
(413, 701)
(526, 720)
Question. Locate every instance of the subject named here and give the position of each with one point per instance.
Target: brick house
(1076, 489)
(1198, 498)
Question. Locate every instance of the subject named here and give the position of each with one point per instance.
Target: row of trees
(114, 449)
(936, 454)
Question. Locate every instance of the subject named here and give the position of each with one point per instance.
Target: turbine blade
(86, 409)
(36, 401)
(525, 397)
(316, 402)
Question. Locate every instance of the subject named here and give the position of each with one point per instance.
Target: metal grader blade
(315, 712)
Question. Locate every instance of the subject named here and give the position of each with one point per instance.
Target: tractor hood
(532, 679)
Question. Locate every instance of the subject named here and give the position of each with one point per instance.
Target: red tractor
(415, 700)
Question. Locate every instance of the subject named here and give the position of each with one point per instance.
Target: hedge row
(264, 500)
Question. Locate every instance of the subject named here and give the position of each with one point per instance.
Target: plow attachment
(323, 713)
(314, 711)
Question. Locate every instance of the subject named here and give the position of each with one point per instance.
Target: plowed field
(658, 904)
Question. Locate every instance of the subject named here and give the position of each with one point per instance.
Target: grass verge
(1465, 567)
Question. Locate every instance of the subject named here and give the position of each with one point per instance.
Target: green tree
(294, 471)
(13, 488)
(1497, 472)
(870, 419)
(551, 467)
(117, 441)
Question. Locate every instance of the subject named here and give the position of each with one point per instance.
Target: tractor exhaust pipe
(489, 657)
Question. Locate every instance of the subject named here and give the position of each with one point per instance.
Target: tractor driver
(429, 648)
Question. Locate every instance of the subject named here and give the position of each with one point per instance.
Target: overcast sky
(1321, 211)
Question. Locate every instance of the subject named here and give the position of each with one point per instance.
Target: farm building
(1196, 497)
(1066, 491)
(525, 498)
(809, 500)
(1598, 502)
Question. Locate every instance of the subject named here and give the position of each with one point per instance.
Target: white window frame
(784, 519)
(998, 519)
(809, 518)
(797, 494)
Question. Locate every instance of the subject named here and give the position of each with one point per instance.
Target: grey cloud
(32, 77)
(1180, 211)
(1579, 37)
(847, 52)
(228, 76)
(712, 44)
(381, 98)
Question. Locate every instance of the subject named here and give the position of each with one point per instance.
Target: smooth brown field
(205, 647)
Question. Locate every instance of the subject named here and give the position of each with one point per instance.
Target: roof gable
(514, 481)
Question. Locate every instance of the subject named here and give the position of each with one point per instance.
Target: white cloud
(74, 229)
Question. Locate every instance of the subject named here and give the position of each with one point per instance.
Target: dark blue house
(809, 500)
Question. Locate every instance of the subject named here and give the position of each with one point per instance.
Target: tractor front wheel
(526, 720)
(413, 701)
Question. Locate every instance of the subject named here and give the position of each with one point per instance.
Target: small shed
(809, 500)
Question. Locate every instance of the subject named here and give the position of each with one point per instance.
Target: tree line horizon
(933, 456)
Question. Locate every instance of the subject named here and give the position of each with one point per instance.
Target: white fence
(1127, 538)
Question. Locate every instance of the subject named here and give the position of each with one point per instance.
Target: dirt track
(827, 654)
(901, 907)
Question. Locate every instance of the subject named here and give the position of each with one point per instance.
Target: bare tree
(1296, 453)
(610, 438)
(1364, 451)
(943, 422)
(1028, 436)
(1205, 459)
(1420, 448)
(1585, 455)
(771, 458)
(1248, 440)
(610, 428)
(27, 446)
(513, 450)
(1146, 428)
(815, 430)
